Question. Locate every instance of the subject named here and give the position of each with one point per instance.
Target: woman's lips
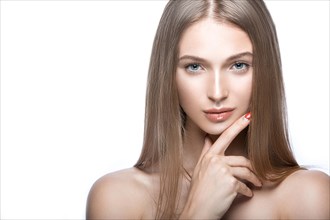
(218, 115)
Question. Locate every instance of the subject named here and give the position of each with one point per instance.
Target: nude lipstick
(218, 115)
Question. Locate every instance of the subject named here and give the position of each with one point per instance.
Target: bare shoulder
(305, 195)
(119, 195)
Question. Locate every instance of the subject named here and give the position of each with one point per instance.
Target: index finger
(224, 140)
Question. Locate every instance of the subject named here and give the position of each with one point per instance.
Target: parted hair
(267, 137)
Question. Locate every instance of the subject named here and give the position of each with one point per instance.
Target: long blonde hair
(267, 137)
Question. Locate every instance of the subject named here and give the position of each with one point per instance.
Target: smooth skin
(223, 183)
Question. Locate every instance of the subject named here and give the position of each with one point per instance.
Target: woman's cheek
(185, 95)
(190, 90)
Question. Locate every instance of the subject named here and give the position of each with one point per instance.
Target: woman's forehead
(210, 39)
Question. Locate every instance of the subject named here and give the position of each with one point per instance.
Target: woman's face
(214, 74)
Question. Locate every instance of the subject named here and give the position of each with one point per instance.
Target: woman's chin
(214, 132)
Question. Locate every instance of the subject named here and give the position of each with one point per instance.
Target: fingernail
(248, 116)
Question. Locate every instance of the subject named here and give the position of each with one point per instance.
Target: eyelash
(244, 69)
(246, 66)
(190, 65)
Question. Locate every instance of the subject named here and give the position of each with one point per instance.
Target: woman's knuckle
(245, 161)
(230, 133)
(224, 170)
(233, 184)
(214, 160)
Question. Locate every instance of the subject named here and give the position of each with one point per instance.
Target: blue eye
(239, 66)
(193, 67)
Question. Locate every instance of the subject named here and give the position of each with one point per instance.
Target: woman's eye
(239, 66)
(193, 67)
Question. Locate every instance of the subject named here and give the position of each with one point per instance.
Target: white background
(73, 77)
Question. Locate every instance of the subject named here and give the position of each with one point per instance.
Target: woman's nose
(217, 88)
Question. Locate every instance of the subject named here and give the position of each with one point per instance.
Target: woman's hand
(217, 178)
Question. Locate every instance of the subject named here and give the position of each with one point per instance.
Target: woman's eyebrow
(240, 55)
(190, 57)
(233, 57)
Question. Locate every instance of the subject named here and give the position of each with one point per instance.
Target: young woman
(216, 144)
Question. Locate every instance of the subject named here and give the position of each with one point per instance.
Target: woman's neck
(194, 141)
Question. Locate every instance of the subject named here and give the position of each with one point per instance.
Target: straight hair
(268, 143)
